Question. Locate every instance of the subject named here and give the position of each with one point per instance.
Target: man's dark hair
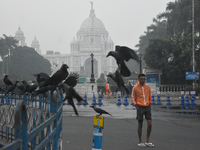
(141, 75)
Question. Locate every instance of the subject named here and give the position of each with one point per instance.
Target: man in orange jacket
(142, 98)
(108, 91)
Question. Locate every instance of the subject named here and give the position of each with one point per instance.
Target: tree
(25, 61)
(167, 44)
(172, 56)
(7, 44)
(155, 30)
(157, 49)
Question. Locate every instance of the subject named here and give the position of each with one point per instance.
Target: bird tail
(77, 96)
(126, 89)
(124, 71)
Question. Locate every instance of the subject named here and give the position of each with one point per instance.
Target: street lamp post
(140, 63)
(193, 44)
(92, 80)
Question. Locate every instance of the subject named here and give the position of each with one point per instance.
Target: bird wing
(44, 76)
(76, 95)
(57, 77)
(101, 111)
(8, 82)
(124, 70)
(72, 79)
(128, 53)
(11, 88)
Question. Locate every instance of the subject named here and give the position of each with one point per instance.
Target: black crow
(11, 88)
(44, 89)
(41, 77)
(122, 54)
(57, 77)
(117, 78)
(6, 80)
(22, 87)
(100, 111)
(71, 93)
(31, 88)
(3, 88)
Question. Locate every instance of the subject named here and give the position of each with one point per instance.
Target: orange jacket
(141, 95)
(107, 86)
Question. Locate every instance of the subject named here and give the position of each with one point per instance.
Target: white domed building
(35, 44)
(19, 36)
(92, 37)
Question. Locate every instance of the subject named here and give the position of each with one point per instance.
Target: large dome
(35, 41)
(19, 32)
(92, 24)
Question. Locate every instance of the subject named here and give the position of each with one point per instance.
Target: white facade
(35, 44)
(19, 36)
(92, 37)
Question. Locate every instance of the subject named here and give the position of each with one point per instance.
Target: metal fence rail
(31, 122)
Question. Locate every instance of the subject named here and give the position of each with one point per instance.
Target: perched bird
(21, 88)
(117, 78)
(31, 88)
(122, 54)
(71, 93)
(57, 77)
(6, 80)
(99, 110)
(41, 77)
(3, 88)
(11, 88)
(44, 89)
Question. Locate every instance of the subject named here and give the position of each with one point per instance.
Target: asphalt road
(172, 128)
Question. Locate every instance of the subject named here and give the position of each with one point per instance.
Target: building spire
(91, 4)
(92, 10)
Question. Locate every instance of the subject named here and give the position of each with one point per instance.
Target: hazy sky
(56, 22)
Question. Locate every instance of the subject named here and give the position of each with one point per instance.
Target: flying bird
(117, 78)
(72, 79)
(122, 54)
(57, 77)
(71, 93)
(100, 111)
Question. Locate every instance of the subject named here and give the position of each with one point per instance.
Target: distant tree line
(20, 62)
(167, 43)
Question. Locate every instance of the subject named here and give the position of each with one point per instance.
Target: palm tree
(7, 45)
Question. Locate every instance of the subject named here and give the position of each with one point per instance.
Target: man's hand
(136, 106)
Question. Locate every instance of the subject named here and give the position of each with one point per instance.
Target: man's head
(142, 78)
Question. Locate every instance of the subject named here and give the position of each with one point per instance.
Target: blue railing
(31, 122)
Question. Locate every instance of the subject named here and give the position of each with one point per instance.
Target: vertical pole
(21, 124)
(92, 80)
(193, 46)
(140, 63)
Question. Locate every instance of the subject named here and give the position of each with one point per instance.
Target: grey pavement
(172, 128)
